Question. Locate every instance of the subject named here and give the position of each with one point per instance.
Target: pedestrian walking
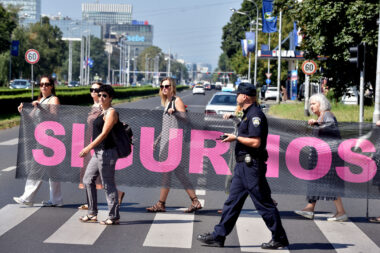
(249, 177)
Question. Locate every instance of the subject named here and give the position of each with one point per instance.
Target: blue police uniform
(249, 179)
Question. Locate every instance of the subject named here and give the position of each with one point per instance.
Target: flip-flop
(88, 219)
(374, 219)
(109, 222)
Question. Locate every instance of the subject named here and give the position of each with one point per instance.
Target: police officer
(249, 177)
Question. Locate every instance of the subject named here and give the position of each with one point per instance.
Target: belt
(241, 158)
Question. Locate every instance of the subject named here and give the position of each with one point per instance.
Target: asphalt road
(37, 229)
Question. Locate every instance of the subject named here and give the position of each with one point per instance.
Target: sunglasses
(102, 95)
(45, 84)
(165, 86)
(94, 90)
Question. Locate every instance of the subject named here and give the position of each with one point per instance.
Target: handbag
(122, 135)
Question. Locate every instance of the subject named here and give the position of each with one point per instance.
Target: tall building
(102, 14)
(30, 10)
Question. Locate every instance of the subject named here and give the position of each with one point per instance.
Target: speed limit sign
(32, 56)
(309, 67)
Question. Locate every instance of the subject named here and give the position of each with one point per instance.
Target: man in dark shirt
(249, 178)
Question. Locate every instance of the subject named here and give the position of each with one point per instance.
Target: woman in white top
(46, 96)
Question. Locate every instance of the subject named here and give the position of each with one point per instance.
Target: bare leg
(339, 207)
(309, 207)
(164, 194)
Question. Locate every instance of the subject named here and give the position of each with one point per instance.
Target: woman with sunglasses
(92, 115)
(46, 96)
(103, 161)
(174, 110)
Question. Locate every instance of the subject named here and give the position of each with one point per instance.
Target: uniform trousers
(102, 163)
(250, 180)
(32, 186)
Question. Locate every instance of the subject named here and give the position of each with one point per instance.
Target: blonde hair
(172, 90)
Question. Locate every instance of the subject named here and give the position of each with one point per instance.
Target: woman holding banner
(175, 111)
(325, 127)
(96, 110)
(46, 97)
(103, 161)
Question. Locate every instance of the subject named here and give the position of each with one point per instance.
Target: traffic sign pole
(308, 68)
(31, 66)
(32, 57)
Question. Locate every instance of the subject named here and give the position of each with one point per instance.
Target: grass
(343, 113)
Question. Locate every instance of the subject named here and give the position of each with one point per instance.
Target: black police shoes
(209, 239)
(274, 245)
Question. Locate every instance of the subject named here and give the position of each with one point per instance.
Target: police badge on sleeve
(256, 121)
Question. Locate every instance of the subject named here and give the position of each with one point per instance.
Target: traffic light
(357, 55)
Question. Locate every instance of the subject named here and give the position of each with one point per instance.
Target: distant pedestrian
(249, 176)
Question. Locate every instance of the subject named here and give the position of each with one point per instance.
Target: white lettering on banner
(136, 38)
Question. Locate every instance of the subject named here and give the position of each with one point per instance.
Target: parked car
(73, 84)
(221, 103)
(351, 96)
(20, 84)
(199, 89)
(271, 93)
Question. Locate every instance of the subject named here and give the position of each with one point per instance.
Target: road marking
(170, 230)
(345, 236)
(9, 168)
(75, 232)
(252, 232)
(10, 142)
(200, 192)
(13, 214)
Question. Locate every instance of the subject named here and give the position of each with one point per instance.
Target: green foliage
(330, 27)
(7, 24)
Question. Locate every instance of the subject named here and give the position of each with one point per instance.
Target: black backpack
(122, 135)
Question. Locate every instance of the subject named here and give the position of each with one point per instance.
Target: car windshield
(224, 100)
(199, 86)
(20, 82)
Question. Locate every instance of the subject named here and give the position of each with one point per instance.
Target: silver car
(221, 103)
(20, 84)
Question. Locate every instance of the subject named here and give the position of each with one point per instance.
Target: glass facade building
(30, 11)
(72, 29)
(107, 13)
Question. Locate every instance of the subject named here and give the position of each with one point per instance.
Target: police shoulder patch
(256, 121)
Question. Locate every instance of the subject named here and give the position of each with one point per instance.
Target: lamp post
(256, 39)
(250, 29)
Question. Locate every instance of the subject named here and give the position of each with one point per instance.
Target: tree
(8, 22)
(330, 28)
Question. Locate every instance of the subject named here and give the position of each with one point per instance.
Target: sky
(190, 29)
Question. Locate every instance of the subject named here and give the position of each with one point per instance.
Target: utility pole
(128, 65)
(279, 60)
(376, 112)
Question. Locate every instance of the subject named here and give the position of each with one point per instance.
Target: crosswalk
(174, 229)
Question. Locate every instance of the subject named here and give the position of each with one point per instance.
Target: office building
(30, 10)
(102, 14)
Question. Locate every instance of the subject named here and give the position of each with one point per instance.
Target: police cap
(247, 89)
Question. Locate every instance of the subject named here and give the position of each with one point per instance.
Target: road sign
(268, 81)
(309, 67)
(32, 56)
(268, 75)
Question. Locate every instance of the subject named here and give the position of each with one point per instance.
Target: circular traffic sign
(32, 56)
(309, 67)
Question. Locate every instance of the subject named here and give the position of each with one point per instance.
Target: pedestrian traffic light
(357, 56)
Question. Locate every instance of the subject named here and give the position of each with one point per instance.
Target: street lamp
(250, 29)
(256, 36)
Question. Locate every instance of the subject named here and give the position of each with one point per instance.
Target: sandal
(110, 222)
(158, 207)
(374, 219)
(88, 218)
(195, 205)
(83, 207)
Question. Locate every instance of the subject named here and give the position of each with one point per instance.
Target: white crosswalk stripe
(75, 232)
(9, 168)
(9, 142)
(171, 230)
(252, 232)
(345, 237)
(13, 214)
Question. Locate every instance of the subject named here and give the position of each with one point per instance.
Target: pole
(376, 112)
(109, 68)
(31, 66)
(69, 76)
(362, 73)
(249, 53)
(279, 60)
(307, 81)
(81, 60)
(128, 65)
(269, 50)
(256, 39)
(89, 56)
(169, 64)
(10, 69)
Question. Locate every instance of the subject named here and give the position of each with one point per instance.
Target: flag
(269, 21)
(15, 46)
(295, 34)
(250, 37)
(244, 47)
(264, 47)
